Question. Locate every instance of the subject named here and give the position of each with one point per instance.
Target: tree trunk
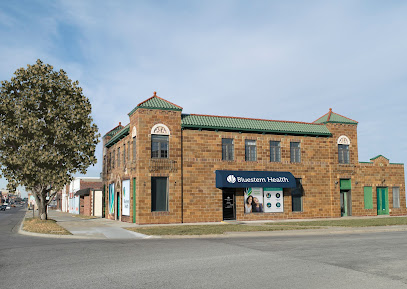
(42, 211)
(41, 201)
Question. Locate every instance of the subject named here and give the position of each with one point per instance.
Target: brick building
(83, 195)
(169, 167)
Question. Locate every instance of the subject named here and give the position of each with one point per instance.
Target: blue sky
(281, 60)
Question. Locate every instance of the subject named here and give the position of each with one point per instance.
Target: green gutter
(121, 134)
(256, 130)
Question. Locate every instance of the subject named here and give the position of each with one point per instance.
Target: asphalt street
(368, 260)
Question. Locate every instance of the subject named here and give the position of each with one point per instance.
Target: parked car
(3, 207)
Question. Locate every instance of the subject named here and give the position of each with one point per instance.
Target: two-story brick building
(169, 167)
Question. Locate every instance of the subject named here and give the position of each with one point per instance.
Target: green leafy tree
(46, 131)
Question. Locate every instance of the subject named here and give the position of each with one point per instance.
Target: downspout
(182, 176)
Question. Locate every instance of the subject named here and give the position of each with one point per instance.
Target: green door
(118, 206)
(382, 201)
(134, 200)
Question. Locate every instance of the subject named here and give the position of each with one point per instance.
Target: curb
(21, 231)
(288, 233)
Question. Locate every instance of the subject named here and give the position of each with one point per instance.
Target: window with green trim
(368, 197)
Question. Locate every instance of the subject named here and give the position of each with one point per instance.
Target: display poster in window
(126, 198)
(273, 200)
(111, 198)
(76, 205)
(253, 200)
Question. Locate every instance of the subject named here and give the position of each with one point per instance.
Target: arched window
(160, 141)
(343, 149)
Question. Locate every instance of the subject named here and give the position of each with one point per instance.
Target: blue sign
(255, 179)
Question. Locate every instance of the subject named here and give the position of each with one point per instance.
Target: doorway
(118, 206)
(346, 203)
(228, 204)
(382, 201)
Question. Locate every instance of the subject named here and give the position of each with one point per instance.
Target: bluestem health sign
(126, 198)
(254, 179)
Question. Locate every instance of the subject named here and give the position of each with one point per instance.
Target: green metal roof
(114, 131)
(372, 159)
(332, 117)
(252, 125)
(121, 134)
(156, 102)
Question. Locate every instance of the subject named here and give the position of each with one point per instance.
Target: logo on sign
(231, 179)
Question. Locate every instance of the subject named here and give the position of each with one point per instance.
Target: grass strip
(36, 225)
(209, 229)
(373, 222)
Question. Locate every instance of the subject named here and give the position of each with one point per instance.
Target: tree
(46, 131)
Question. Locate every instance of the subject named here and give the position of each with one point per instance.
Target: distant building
(83, 195)
(169, 167)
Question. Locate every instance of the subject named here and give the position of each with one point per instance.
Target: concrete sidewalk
(97, 228)
(101, 228)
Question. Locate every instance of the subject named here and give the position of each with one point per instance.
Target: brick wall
(87, 208)
(195, 155)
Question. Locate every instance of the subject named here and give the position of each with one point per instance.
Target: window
(118, 157)
(159, 194)
(250, 150)
(124, 154)
(296, 196)
(295, 151)
(275, 151)
(159, 146)
(113, 158)
(227, 149)
(368, 197)
(343, 154)
(396, 197)
(134, 148)
(128, 150)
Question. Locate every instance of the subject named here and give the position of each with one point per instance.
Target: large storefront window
(264, 200)
(159, 194)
